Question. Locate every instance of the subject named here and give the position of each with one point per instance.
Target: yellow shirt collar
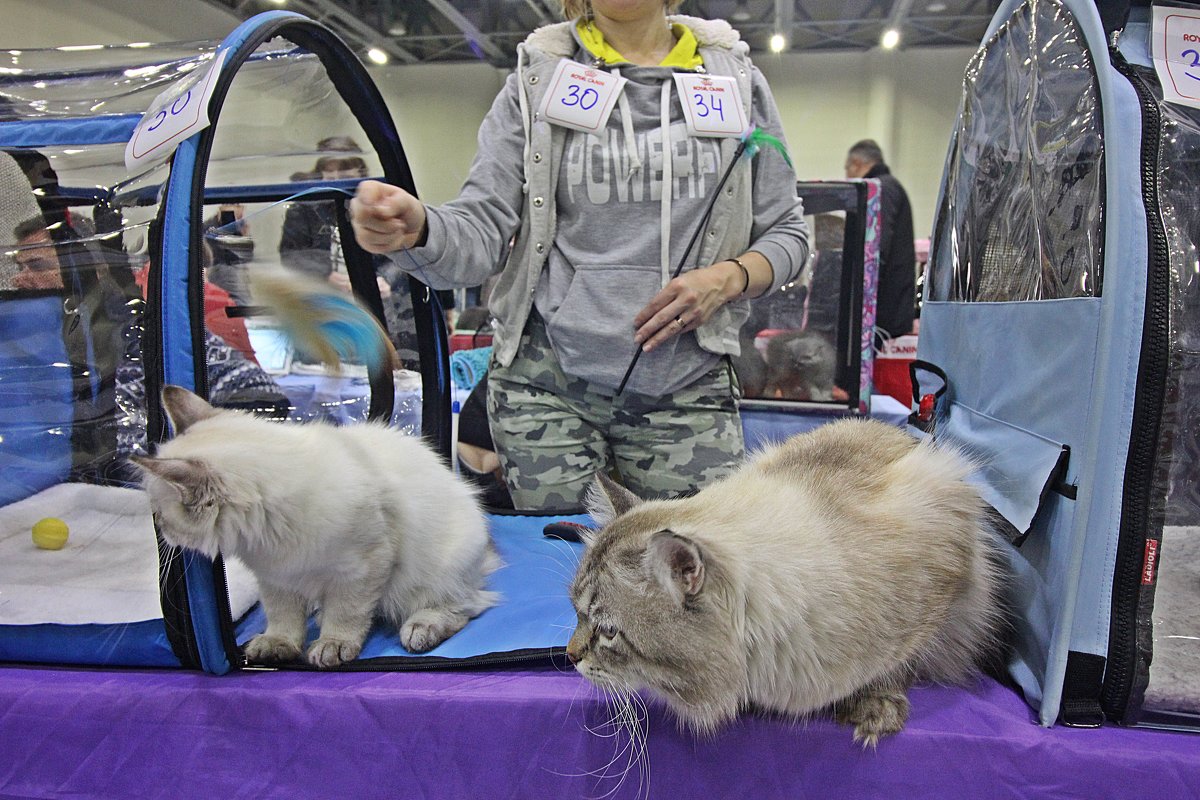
(683, 55)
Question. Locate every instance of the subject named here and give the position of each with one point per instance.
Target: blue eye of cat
(607, 631)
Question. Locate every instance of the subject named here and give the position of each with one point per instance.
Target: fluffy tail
(322, 321)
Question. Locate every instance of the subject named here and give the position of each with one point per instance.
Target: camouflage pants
(553, 432)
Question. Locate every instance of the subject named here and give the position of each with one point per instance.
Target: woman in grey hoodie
(597, 162)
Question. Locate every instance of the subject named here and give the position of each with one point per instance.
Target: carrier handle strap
(926, 393)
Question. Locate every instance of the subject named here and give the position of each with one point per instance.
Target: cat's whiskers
(631, 718)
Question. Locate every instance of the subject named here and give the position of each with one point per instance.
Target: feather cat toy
(750, 143)
(322, 321)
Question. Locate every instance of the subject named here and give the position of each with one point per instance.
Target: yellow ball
(50, 533)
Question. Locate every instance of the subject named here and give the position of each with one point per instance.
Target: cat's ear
(185, 475)
(185, 408)
(677, 563)
(606, 499)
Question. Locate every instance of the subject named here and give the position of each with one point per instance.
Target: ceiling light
(935, 8)
(778, 43)
(890, 38)
(377, 56)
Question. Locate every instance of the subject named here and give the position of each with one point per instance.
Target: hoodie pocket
(592, 329)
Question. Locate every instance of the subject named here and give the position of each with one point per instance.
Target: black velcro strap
(1082, 685)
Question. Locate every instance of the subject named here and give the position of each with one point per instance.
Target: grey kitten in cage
(829, 572)
(801, 365)
(358, 522)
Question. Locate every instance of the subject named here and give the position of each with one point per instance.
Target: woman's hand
(687, 302)
(386, 218)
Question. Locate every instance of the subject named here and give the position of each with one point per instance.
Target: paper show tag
(1175, 45)
(580, 97)
(712, 105)
(177, 113)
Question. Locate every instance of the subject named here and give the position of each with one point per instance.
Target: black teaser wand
(737, 155)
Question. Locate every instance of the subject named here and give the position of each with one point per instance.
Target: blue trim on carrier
(115, 129)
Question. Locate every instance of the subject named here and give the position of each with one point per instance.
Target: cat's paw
(874, 716)
(417, 637)
(271, 649)
(329, 651)
(428, 628)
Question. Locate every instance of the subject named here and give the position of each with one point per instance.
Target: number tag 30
(174, 115)
(580, 97)
(712, 105)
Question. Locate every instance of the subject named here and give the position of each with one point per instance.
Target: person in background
(601, 220)
(35, 257)
(227, 236)
(896, 298)
(234, 378)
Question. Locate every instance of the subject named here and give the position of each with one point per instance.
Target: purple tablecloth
(524, 733)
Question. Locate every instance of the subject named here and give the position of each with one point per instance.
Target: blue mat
(534, 619)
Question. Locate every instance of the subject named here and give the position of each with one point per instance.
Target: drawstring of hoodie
(635, 157)
(635, 167)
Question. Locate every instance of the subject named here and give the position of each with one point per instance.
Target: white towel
(108, 571)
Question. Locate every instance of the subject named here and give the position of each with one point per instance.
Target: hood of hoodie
(559, 40)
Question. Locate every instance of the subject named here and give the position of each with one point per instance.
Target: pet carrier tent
(113, 283)
(1061, 305)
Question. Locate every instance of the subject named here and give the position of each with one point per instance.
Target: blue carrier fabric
(1061, 305)
(65, 368)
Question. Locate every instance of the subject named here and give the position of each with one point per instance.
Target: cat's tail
(322, 321)
(973, 634)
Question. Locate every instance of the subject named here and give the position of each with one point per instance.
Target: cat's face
(650, 616)
(183, 489)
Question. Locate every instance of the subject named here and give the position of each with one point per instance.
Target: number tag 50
(580, 97)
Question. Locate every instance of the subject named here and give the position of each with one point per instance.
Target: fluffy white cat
(357, 521)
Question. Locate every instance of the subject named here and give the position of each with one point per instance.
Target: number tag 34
(580, 97)
(712, 105)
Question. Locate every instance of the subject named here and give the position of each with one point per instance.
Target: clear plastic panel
(1022, 214)
(74, 232)
(802, 344)
(285, 134)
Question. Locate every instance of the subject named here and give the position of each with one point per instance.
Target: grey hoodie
(589, 219)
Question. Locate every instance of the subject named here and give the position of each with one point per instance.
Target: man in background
(896, 298)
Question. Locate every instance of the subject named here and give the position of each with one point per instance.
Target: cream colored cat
(829, 572)
(356, 521)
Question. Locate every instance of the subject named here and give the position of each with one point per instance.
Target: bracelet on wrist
(745, 276)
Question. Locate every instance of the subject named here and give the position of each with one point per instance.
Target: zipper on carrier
(1124, 654)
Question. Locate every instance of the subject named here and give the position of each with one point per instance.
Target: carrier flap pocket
(1016, 467)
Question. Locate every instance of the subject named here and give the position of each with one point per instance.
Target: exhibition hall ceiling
(445, 31)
